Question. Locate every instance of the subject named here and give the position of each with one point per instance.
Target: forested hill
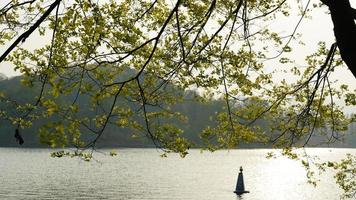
(199, 116)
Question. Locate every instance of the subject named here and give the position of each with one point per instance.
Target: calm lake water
(143, 174)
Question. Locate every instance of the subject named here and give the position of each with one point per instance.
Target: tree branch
(30, 30)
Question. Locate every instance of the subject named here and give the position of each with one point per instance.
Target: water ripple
(141, 174)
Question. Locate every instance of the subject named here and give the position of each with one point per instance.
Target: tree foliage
(146, 52)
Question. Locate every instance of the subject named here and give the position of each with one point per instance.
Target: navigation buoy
(240, 186)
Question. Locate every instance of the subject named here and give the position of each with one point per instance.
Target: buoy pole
(240, 185)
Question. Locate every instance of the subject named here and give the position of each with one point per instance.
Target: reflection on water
(239, 197)
(143, 174)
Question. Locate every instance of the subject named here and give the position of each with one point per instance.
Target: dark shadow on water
(239, 197)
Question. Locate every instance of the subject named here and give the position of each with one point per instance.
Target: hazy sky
(319, 28)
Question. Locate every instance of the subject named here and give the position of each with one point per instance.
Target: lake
(142, 174)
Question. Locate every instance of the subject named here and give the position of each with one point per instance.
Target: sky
(319, 28)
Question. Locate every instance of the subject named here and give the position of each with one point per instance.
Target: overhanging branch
(30, 30)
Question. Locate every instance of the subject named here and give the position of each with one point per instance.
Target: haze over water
(143, 174)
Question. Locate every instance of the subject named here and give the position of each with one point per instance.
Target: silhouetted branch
(291, 36)
(10, 6)
(26, 34)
